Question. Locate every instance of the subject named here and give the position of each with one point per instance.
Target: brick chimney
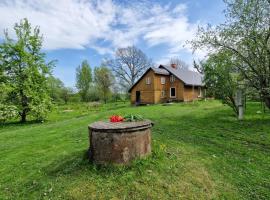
(173, 66)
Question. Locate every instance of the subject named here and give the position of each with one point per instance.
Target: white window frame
(172, 78)
(163, 93)
(163, 80)
(171, 92)
(148, 80)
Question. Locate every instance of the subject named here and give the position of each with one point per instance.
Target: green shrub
(8, 112)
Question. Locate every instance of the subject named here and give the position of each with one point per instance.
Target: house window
(148, 80)
(163, 93)
(172, 78)
(172, 93)
(163, 80)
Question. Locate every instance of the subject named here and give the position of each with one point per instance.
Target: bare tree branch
(129, 64)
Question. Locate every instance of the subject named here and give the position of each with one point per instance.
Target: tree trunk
(23, 116)
(267, 102)
(24, 103)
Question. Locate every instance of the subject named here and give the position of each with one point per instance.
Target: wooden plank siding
(152, 93)
(191, 93)
(179, 89)
(159, 88)
(147, 91)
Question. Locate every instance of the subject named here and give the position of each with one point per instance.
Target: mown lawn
(200, 151)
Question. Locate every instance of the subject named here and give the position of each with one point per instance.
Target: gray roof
(187, 76)
(160, 71)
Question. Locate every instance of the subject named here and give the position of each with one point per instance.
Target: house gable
(146, 90)
(154, 70)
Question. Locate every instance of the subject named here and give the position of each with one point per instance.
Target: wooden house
(166, 84)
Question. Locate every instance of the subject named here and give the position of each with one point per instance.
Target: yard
(200, 151)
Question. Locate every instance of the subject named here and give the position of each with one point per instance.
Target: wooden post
(193, 93)
(205, 94)
(239, 103)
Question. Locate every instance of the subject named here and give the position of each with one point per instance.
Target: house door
(172, 92)
(138, 97)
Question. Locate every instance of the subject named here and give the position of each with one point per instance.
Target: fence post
(239, 103)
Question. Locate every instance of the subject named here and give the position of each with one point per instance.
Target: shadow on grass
(79, 162)
(19, 124)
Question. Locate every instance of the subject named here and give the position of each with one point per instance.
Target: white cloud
(78, 24)
(64, 23)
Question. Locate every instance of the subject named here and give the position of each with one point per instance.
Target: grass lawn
(200, 151)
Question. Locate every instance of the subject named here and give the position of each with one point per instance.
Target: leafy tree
(221, 78)
(129, 64)
(24, 72)
(66, 94)
(84, 79)
(116, 95)
(94, 93)
(246, 35)
(103, 80)
(55, 86)
(58, 91)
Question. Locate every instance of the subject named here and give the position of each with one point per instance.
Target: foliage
(132, 118)
(103, 80)
(66, 93)
(83, 79)
(41, 109)
(129, 65)
(220, 78)
(94, 93)
(55, 86)
(199, 151)
(24, 71)
(246, 35)
(7, 112)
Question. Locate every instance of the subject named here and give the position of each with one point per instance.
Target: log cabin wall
(156, 92)
(146, 90)
(191, 93)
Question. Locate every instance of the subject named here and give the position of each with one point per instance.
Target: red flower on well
(116, 118)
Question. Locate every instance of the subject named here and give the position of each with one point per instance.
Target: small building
(165, 84)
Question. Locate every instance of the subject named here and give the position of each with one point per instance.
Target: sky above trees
(75, 30)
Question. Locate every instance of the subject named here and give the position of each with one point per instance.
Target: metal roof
(187, 76)
(160, 71)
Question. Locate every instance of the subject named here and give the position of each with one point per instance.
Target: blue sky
(75, 30)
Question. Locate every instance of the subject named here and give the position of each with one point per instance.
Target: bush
(40, 111)
(8, 112)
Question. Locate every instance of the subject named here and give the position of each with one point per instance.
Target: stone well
(119, 142)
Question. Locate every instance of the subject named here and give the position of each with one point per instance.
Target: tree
(221, 78)
(246, 35)
(84, 79)
(58, 92)
(66, 94)
(103, 80)
(24, 72)
(179, 63)
(129, 64)
(55, 86)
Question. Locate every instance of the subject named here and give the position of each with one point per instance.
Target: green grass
(200, 151)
